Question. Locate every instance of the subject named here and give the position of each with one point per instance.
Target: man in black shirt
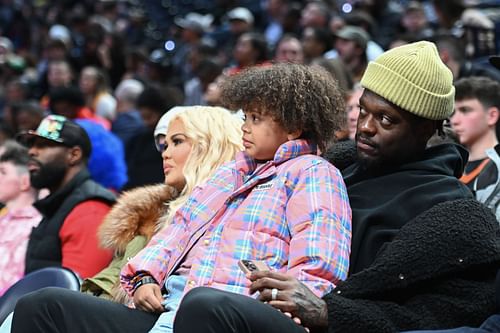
(407, 267)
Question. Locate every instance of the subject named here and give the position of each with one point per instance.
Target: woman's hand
(148, 298)
(292, 297)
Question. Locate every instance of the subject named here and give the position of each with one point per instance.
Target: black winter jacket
(382, 204)
(438, 272)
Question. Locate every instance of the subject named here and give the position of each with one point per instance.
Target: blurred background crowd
(122, 64)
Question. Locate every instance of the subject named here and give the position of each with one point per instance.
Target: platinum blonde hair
(216, 137)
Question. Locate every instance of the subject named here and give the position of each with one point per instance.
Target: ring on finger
(274, 294)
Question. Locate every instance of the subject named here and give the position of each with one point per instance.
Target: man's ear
(294, 135)
(75, 156)
(493, 115)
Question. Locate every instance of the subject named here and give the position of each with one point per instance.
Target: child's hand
(148, 298)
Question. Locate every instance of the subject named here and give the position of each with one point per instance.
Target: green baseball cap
(61, 130)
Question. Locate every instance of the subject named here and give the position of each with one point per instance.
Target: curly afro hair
(298, 97)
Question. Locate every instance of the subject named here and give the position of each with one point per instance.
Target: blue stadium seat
(46, 277)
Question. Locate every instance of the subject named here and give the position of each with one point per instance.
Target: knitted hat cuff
(405, 94)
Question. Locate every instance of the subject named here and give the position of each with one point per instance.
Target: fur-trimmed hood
(137, 212)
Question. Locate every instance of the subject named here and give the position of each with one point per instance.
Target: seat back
(497, 291)
(45, 277)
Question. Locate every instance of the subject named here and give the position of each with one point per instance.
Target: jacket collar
(444, 159)
(285, 152)
(139, 211)
(50, 204)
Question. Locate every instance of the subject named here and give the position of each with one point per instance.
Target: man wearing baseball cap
(192, 29)
(239, 21)
(424, 253)
(59, 150)
(351, 43)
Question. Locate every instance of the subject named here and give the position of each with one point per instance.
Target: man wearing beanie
(408, 94)
(418, 235)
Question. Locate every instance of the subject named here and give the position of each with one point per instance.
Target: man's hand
(293, 297)
(148, 298)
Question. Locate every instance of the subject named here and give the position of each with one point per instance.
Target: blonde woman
(194, 141)
(211, 136)
(290, 210)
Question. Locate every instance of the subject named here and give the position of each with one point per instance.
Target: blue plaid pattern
(291, 212)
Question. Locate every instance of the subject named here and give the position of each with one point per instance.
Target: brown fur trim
(137, 212)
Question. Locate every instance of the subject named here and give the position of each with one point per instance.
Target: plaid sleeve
(153, 259)
(319, 218)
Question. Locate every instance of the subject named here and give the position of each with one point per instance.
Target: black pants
(210, 310)
(61, 310)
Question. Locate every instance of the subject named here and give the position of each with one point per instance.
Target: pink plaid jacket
(291, 212)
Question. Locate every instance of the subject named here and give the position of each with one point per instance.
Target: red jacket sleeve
(81, 251)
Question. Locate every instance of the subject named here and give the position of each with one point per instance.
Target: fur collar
(137, 212)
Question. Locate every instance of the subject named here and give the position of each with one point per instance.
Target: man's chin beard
(48, 178)
(48, 183)
(371, 166)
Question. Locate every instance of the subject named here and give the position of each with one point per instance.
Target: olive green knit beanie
(414, 78)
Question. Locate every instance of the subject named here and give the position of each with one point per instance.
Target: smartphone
(248, 266)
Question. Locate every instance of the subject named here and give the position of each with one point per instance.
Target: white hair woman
(193, 141)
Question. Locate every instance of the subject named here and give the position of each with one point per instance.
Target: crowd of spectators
(113, 68)
(122, 64)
